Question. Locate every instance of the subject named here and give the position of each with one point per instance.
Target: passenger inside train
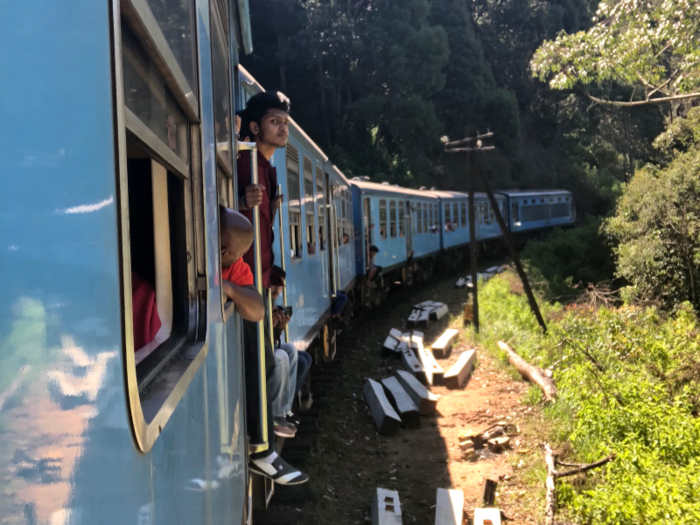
(373, 274)
(146, 321)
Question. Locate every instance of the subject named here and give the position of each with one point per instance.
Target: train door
(331, 228)
(367, 228)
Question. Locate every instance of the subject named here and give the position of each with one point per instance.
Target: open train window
(309, 206)
(455, 214)
(515, 211)
(349, 229)
(382, 219)
(448, 216)
(392, 218)
(161, 211)
(419, 217)
(402, 219)
(321, 203)
(294, 206)
(436, 221)
(492, 215)
(463, 214)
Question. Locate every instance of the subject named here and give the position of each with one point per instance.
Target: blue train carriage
(533, 210)
(317, 218)
(402, 223)
(111, 177)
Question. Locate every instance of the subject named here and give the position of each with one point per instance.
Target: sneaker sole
(266, 475)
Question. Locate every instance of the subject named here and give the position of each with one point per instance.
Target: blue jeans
(280, 387)
(338, 303)
(303, 367)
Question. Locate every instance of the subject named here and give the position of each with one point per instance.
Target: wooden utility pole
(472, 145)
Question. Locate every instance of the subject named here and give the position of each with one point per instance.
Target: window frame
(295, 237)
(309, 202)
(151, 412)
(402, 218)
(393, 230)
(383, 231)
(321, 207)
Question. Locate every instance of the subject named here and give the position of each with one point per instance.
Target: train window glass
(455, 214)
(175, 19)
(435, 216)
(463, 214)
(321, 200)
(448, 215)
(382, 219)
(309, 206)
(351, 228)
(419, 218)
(515, 212)
(402, 219)
(294, 205)
(425, 217)
(222, 93)
(492, 216)
(392, 218)
(224, 185)
(542, 201)
(151, 110)
(344, 203)
(558, 199)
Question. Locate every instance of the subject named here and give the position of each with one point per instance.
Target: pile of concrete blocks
(425, 312)
(398, 401)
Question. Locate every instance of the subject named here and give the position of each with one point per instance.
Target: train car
(532, 210)
(318, 254)
(116, 151)
(402, 223)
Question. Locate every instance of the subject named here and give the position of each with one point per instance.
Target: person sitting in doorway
(346, 238)
(374, 272)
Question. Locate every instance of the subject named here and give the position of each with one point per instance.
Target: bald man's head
(236, 236)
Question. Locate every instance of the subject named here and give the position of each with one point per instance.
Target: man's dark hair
(374, 249)
(258, 105)
(279, 271)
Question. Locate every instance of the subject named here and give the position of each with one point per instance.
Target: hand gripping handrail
(263, 444)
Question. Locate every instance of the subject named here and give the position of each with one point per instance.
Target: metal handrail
(257, 258)
(282, 259)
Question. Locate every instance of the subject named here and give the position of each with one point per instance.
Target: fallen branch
(530, 372)
(551, 487)
(552, 474)
(582, 468)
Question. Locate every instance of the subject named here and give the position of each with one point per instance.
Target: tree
(657, 226)
(652, 47)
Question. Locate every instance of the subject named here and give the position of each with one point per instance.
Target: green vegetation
(628, 384)
(567, 261)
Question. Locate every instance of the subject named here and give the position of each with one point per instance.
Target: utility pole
(472, 145)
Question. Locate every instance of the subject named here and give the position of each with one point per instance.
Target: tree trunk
(532, 373)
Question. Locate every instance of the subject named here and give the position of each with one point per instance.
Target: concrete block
(423, 398)
(402, 402)
(450, 507)
(423, 319)
(385, 417)
(413, 318)
(412, 364)
(424, 304)
(443, 346)
(487, 516)
(434, 373)
(457, 376)
(439, 312)
(386, 508)
(390, 344)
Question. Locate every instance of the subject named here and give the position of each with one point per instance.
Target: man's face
(273, 129)
(275, 291)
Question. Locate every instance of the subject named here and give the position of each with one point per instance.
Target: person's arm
(248, 301)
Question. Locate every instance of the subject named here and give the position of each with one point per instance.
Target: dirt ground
(349, 459)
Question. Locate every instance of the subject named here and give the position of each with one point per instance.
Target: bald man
(236, 237)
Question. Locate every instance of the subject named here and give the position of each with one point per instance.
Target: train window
(382, 219)
(448, 216)
(463, 214)
(349, 223)
(309, 206)
(542, 201)
(162, 222)
(515, 212)
(392, 218)
(419, 218)
(150, 108)
(175, 18)
(455, 214)
(402, 219)
(492, 216)
(321, 200)
(425, 217)
(558, 199)
(222, 93)
(294, 206)
(435, 216)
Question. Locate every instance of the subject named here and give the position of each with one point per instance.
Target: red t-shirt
(238, 273)
(267, 178)
(143, 306)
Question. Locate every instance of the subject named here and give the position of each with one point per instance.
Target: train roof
(533, 193)
(391, 188)
(445, 194)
